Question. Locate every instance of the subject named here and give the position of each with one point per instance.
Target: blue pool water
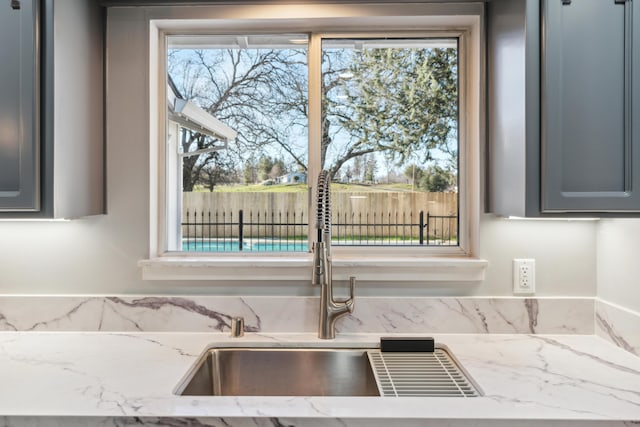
(232, 246)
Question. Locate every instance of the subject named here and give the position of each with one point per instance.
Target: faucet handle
(352, 287)
(351, 302)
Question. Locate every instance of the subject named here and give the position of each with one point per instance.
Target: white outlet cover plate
(524, 276)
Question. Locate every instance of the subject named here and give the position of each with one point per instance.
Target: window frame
(386, 264)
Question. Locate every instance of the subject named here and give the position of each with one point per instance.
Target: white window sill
(296, 269)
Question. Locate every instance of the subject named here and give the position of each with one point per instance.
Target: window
(389, 139)
(389, 122)
(388, 104)
(246, 189)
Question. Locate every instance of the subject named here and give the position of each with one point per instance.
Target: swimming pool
(247, 246)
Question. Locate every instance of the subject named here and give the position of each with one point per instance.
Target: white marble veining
(472, 315)
(289, 422)
(132, 375)
(618, 325)
(296, 314)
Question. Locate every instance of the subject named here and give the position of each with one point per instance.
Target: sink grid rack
(420, 374)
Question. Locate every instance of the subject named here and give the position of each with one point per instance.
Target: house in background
(292, 178)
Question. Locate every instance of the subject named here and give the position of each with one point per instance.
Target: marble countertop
(537, 377)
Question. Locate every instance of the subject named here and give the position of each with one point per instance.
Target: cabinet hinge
(15, 4)
(620, 1)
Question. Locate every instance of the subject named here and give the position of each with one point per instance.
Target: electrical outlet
(524, 276)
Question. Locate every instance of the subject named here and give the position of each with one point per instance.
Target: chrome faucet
(330, 310)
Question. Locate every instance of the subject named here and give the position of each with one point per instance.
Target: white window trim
(458, 265)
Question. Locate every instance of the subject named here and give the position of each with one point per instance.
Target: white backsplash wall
(618, 254)
(618, 272)
(564, 251)
(99, 255)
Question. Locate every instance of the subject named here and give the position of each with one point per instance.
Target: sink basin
(281, 372)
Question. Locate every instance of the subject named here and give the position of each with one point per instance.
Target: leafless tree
(244, 89)
(402, 104)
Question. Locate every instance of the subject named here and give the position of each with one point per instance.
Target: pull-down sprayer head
(322, 247)
(323, 208)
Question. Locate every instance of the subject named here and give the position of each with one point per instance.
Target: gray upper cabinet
(564, 111)
(513, 101)
(591, 154)
(51, 109)
(19, 108)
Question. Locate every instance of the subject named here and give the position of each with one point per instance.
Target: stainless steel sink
(281, 372)
(296, 371)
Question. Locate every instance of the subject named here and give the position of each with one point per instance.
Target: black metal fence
(287, 232)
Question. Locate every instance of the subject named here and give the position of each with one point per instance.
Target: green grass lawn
(259, 188)
(300, 188)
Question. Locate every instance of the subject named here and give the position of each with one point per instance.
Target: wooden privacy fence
(358, 218)
(354, 203)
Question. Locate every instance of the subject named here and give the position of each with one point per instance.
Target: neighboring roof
(190, 116)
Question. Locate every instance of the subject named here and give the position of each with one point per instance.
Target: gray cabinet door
(590, 156)
(19, 118)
